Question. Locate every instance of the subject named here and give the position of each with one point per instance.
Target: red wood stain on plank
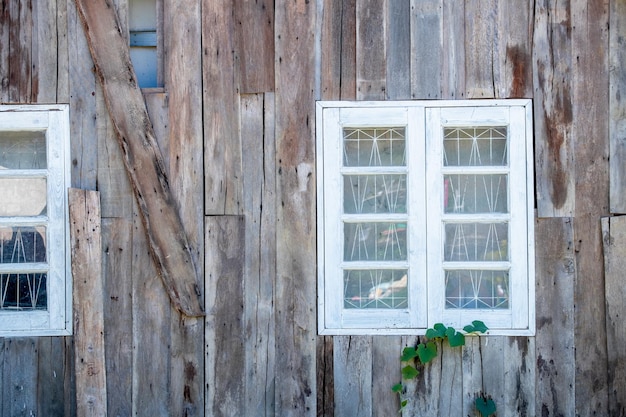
(520, 63)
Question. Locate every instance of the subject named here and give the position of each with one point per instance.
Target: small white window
(144, 53)
(425, 215)
(35, 290)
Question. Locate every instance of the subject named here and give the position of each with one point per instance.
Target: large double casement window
(425, 215)
(35, 290)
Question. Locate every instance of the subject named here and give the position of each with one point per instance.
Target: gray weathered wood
(479, 48)
(19, 377)
(325, 377)
(45, 58)
(169, 245)
(88, 290)
(353, 375)
(453, 45)
(398, 66)
(555, 268)
(370, 49)
(225, 353)
(426, 52)
(617, 107)
(614, 238)
(51, 376)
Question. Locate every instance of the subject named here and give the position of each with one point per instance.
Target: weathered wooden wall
(235, 122)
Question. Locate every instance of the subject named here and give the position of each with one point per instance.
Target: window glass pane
(373, 194)
(369, 147)
(23, 291)
(475, 193)
(477, 289)
(22, 196)
(476, 242)
(370, 241)
(375, 288)
(22, 244)
(22, 150)
(475, 146)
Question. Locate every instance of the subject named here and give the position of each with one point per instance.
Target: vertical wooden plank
(295, 290)
(453, 43)
(5, 25)
(88, 290)
(591, 137)
(45, 52)
(479, 48)
(118, 313)
(222, 149)
(426, 49)
(63, 51)
(617, 108)
(614, 238)
(182, 42)
(398, 38)
(519, 363)
(371, 57)
(50, 376)
(225, 353)
(2, 383)
(20, 48)
(555, 267)
(553, 84)
(472, 363)
(254, 32)
(19, 377)
(348, 81)
(353, 375)
(325, 377)
(258, 153)
(493, 372)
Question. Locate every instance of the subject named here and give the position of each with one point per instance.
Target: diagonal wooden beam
(167, 240)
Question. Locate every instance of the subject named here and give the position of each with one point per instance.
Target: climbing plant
(426, 351)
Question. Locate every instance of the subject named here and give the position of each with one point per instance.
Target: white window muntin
(56, 319)
(519, 318)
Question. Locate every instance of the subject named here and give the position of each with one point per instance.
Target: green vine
(426, 351)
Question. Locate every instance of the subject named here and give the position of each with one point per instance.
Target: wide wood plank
(20, 50)
(590, 79)
(222, 148)
(453, 43)
(398, 38)
(555, 267)
(480, 17)
(553, 114)
(426, 48)
(88, 291)
(371, 18)
(144, 163)
(614, 238)
(5, 25)
(52, 376)
(225, 345)
(353, 375)
(19, 377)
(617, 107)
(45, 50)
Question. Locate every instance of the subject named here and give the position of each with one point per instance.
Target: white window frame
(56, 320)
(424, 122)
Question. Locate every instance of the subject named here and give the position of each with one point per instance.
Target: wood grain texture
(169, 244)
(480, 18)
(371, 57)
(352, 365)
(553, 109)
(453, 44)
(426, 48)
(591, 169)
(19, 377)
(398, 39)
(222, 147)
(88, 290)
(614, 239)
(45, 52)
(52, 377)
(617, 107)
(225, 345)
(555, 268)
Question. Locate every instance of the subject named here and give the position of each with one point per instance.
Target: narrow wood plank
(63, 50)
(519, 364)
(254, 39)
(50, 376)
(88, 290)
(331, 36)
(555, 273)
(259, 180)
(371, 57)
(386, 373)
(20, 49)
(426, 49)
(45, 52)
(614, 238)
(398, 38)
(117, 257)
(348, 81)
(295, 301)
(472, 365)
(182, 75)
(480, 17)
(5, 25)
(353, 375)
(325, 377)
(225, 353)
(590, 79)
(222, 149)
(617, 108)
(453, 43)
(552, 80)
(2, 383)
(19, 369)
(144, 163)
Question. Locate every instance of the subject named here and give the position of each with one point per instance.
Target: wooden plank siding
(234, 122)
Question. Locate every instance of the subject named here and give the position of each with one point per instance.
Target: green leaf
(408, 353)
(427, 352)
(455, 338)
(477, 326)
(486, 406)
(438, 330)
(409, 372)
(403, 404)
(397, 388)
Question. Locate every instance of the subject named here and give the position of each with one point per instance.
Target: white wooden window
(144, 50)
(425, 215)
(35, 284)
